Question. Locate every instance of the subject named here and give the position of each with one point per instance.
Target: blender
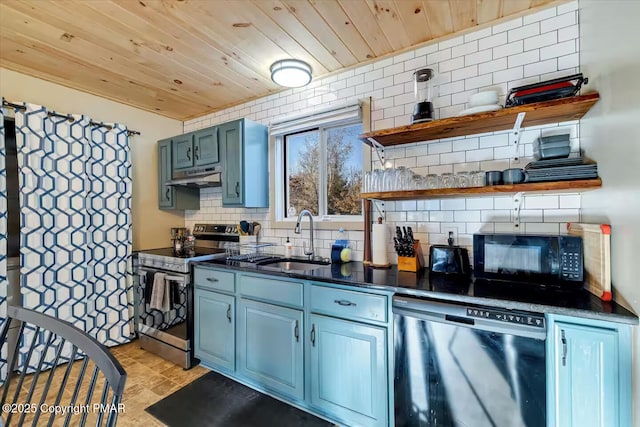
(423, 92)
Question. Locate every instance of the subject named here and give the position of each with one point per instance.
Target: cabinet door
(205, 147)
(230, 135)
(214, 331)
(585, 363)
(270, 346)
(165, 192)
(183, 151)
(349, 370)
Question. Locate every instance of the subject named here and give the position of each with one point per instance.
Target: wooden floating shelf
(539, 113)
(493, 190)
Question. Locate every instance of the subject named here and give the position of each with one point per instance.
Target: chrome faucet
(298, 230)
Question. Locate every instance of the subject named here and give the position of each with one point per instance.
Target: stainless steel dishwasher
(468, 366)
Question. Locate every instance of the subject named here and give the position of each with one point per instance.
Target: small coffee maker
(178, 237)
(423, 92)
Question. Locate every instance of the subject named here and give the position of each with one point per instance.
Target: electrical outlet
(454, 230)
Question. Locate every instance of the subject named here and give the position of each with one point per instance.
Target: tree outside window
(324, 171)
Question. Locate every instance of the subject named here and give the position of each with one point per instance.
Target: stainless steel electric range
(168, 332)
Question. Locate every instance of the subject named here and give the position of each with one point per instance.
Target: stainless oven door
(172, 326)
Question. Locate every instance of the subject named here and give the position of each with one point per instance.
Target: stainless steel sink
(295, 265)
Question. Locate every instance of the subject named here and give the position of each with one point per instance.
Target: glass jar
(433, 181)
(448, 180)
(478, 178)
(463, 179)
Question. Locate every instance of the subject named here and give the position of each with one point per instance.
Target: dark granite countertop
(576, 302)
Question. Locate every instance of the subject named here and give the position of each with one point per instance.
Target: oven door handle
(180, 279)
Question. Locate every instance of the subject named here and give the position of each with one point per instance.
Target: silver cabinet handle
(168, 193)
(212, 279)
(195, 152)
(344, 302)
(296, 332)
(229, 312)
(189, 153)
(563, 339)
(313, 335)
(238, 189)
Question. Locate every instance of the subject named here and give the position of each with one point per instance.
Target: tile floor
(149, 379)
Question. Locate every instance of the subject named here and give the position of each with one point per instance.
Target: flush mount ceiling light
(291, 73)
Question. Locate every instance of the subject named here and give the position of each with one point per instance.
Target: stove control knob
(227, 229)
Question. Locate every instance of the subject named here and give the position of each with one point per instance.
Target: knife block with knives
(408, 250)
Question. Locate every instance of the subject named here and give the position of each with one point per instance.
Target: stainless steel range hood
(210, 176)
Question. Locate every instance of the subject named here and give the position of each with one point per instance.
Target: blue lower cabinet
(589, 372)
(349, 370)
(270, 347)
(214, 334)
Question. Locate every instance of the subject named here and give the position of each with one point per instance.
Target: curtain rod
(68, 117)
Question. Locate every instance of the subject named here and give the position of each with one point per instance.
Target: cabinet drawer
(214, 280)
(272, 290)
(348, 304)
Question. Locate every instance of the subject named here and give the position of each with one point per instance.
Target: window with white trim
(319, 166)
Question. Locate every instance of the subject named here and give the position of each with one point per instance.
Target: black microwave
(527, 258)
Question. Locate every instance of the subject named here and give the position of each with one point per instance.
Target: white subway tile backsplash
(538, 46)
(568, 33)
(478, 57)
(542, 40)
(491, 66)
(506, 26)
(560, 21)
(541, 67)
(568, 61)
(508, 49)
(524, 58)
(464, 49)
(477, 82)
(451, 64)
(559, 49)
(523, 32)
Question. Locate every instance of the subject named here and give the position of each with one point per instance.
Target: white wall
(523, 50)
(150, 225)
(610, 134)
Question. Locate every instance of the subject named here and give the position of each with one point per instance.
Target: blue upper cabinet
(245, 158)
(589, 371)
(171, 197)
(205, 147)
(183, 151)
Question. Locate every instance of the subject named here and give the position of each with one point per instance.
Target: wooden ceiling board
(339, 21)
(82, 76)
(387, 15)
(510, 7)
(12, 25)
(415, 20)
(363, 19)
(272, 30)
(186, 58)
(279, 14)
(305, 13)
(201, 27)
(439, 17)
(488, 10)
(463, 14)
(184, 47)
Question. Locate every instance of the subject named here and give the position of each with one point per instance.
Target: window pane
(344, 170)
(303, 172)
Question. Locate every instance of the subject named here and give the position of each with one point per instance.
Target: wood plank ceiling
(183, 59)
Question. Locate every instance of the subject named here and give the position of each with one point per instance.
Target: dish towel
(160, 293)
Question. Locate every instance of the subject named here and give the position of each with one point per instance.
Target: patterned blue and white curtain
(3, 246)
(75, 201)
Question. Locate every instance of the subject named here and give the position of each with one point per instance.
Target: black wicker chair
(26, 399)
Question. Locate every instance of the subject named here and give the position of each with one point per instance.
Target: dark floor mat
(215, 400)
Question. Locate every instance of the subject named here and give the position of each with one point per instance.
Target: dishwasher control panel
(506, 316)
